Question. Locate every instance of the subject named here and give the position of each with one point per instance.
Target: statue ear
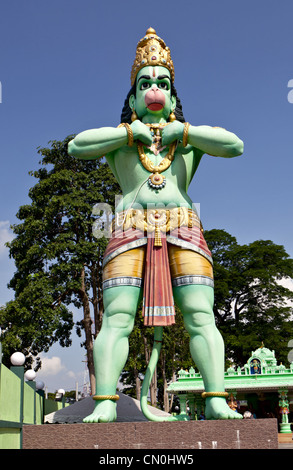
(131, 102)
(173, 102)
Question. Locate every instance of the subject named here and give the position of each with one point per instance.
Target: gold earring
(172, 117)
(134, 116)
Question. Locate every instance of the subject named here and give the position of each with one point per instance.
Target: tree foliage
(251, 303)
(58, 259)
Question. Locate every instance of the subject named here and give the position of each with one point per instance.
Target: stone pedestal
(285, 428)
(222, 434)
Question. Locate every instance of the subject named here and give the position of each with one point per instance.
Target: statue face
(153, 94)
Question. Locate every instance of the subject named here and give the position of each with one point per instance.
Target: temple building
(261, 387)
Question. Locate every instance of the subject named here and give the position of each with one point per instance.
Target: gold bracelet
(129, 132)
(215, 394)
(106, 397)
(185, 134)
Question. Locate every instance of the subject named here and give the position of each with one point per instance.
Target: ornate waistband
(156, 220)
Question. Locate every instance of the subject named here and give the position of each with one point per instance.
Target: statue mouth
(155, 106)
(155, 100)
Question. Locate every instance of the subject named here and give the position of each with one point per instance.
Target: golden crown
(152, 50)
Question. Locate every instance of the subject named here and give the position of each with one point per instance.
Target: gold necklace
(156, 180)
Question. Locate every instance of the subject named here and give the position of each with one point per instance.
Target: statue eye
(163, 86)
(144, 86)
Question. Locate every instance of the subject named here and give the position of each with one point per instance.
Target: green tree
(58, 259)
(251, 304)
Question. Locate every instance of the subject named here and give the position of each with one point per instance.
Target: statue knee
(194, 298)
(120, 310)
(121, 319)
(196, 304)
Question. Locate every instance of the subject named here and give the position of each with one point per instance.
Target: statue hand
(174, 131)
(141, 132)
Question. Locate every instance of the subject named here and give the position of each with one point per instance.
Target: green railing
(20, 403)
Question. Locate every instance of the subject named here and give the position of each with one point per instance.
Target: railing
(20, 403)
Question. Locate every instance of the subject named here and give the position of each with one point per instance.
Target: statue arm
(95, 143)
(215, 141)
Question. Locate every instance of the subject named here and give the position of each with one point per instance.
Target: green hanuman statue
(157, 252)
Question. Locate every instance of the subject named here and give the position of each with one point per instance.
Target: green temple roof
(261, 372)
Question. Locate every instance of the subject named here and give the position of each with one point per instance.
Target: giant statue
(157, 252)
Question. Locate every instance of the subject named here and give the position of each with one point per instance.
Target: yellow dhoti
(158, 257)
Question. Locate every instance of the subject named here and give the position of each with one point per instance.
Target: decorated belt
(156, 221)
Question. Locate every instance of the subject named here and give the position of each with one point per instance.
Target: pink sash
(158, 301)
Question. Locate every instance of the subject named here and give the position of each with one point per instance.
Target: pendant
(157, 181)
(156, 146)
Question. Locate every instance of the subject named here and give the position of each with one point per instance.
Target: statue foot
(104, 412)
(180, 417)
(217, 408)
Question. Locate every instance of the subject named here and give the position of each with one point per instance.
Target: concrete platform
(220, 434)
(285, 441)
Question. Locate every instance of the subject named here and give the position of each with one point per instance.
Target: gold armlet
(106, 397)
(185, 134)
(215, 394)
(129, 132)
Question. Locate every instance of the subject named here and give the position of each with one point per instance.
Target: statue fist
(141, 132)
(174, 131)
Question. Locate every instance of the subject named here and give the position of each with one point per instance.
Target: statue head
(153, 99)
(152, 95)
(151, 50)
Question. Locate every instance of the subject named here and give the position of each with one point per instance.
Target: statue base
(220, 434)
(285, 428)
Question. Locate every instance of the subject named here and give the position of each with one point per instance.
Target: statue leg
(111, 347)
(206, 344)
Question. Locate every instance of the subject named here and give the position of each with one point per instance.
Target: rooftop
(261, 372)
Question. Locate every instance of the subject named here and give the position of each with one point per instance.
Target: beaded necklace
(156, 180)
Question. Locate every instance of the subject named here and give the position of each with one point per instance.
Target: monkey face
(153, 94)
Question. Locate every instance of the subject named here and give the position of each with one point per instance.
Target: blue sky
(65, 67)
